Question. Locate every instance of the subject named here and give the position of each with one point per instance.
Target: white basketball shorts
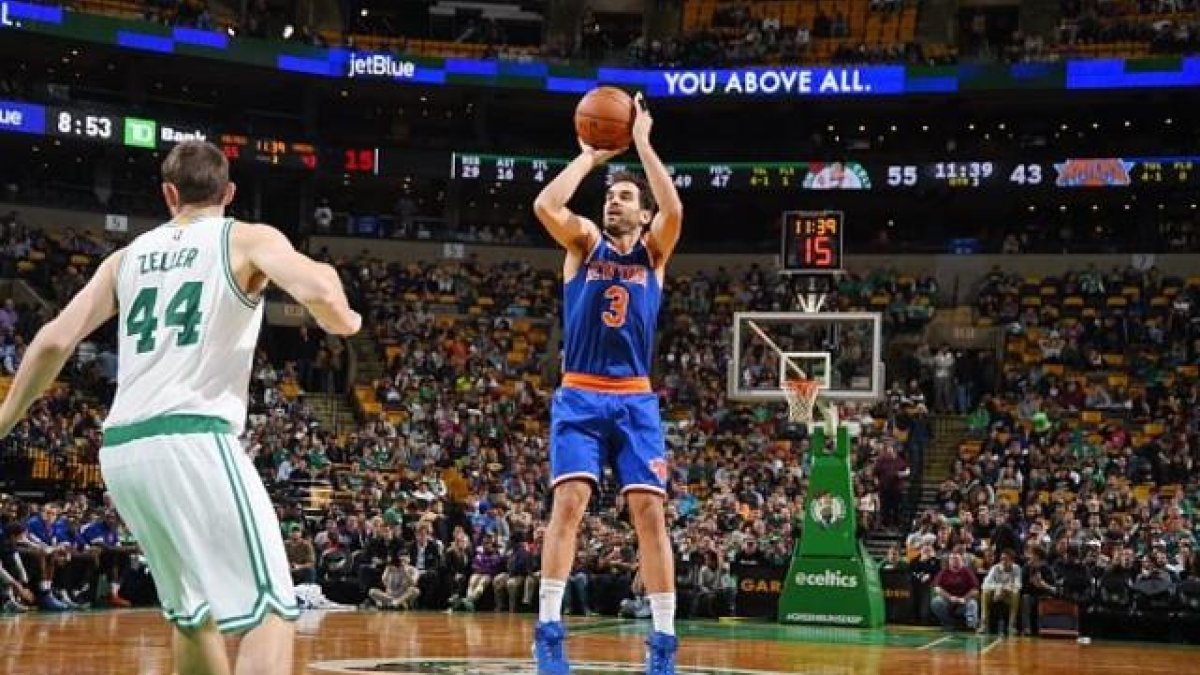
(201, 515)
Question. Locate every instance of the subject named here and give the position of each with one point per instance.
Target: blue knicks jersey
(610, 311)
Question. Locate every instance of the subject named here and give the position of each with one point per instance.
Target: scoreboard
(1028, 173)
(98, 125)
(271, 151)
(783, 176)
(298, 155)
(686, 175)
(846, 175)
(812, 242)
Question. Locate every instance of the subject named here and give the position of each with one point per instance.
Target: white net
(802, 399)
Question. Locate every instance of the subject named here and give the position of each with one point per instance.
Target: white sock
(44, 585)
(662, 608)
(550, 595)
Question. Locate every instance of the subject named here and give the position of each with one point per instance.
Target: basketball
(604, 118)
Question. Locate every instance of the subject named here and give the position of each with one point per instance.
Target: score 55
(902, 176)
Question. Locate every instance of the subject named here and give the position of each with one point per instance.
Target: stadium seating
(1125, 28)
(848, 31)
(1097, 399)
(861, 30)
(454, 421)
(457, 415)
(852, 25)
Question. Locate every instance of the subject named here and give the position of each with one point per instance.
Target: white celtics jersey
(186, 330)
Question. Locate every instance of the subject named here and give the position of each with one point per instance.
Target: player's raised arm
(571, 231)
(665, 228)
(313, 284)
(56, 341)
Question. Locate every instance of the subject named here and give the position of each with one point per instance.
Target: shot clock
(812, 241)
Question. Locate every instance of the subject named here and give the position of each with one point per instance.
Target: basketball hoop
(802, 398)
(801, 392)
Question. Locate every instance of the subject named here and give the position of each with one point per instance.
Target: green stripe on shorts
(193, 620)
(266, 603)
(242, 500)
(166, 425)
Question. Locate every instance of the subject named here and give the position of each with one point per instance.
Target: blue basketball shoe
(660, 654)
(548, 650)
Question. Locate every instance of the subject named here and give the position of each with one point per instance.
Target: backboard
(842, 350)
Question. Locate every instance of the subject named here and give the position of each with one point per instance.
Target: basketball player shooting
(605, 410)
(189, 298)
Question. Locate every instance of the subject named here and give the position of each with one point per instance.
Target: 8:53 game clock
(91, 125)
(812, 241)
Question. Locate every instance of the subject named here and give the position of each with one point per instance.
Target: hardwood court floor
(138, 641)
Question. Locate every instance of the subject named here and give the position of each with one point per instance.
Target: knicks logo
(659, 467)
(1093, 172)
(603, 270)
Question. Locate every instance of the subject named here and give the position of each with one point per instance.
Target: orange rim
(803, 387)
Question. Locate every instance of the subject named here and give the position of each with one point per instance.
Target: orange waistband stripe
(607, 385)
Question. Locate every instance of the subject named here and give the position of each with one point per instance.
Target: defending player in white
(188, 297)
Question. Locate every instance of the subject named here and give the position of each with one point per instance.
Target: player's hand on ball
(598, 157)
(643, 122)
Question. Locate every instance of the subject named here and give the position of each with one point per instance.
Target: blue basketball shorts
(589, 430)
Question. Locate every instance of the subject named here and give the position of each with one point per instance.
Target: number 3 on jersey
(618, 305)
(183, 312)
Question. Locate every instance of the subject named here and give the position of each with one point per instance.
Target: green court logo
(828, 510)
(141, 133)
(502, 667)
